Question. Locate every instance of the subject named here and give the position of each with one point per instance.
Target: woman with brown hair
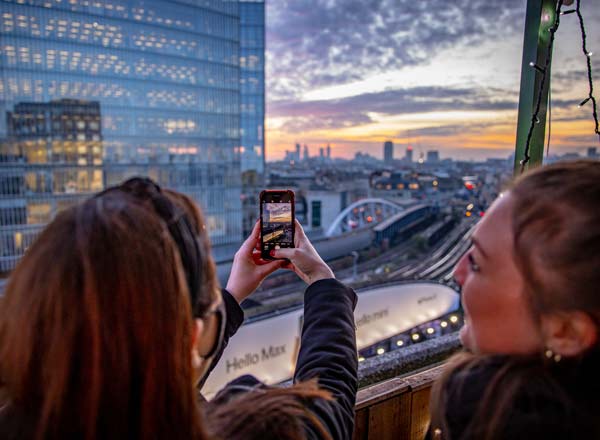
(114, 315)
(532, 315)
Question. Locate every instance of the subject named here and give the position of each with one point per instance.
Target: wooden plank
(420, 412)
(391, 419)
(361, 425)
(424, 378)
(397, 408)
(379, 392)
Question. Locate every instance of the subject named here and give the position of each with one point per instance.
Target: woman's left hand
(249, 269)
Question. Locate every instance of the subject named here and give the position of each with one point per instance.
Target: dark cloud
(447, 130)
(354, 110)
(313, 43)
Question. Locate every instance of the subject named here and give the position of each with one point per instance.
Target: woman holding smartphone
(114, 316)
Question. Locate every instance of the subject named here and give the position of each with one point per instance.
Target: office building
(92, 93)
(409, 154)
(388, 151)
(306, 155)
(433, 156)
(252, 116)
(252, 78)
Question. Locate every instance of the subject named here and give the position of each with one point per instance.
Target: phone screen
(277, 221)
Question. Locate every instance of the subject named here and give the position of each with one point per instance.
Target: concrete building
(433, 156)
(409, 154)
(388, 151)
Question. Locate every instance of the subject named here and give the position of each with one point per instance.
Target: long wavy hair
(96, 330)
(261, 414)
(96, 325)
(556, 242)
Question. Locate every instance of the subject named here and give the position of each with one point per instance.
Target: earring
(551, 355)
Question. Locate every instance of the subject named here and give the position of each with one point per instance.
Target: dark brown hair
(269, 413)
(95, 329)
(263, 414)
(556, 233)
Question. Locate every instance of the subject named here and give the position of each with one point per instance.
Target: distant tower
(388, 151)
(328, 151)
(306, 156)
(433, 156)
(592, 152)
(322, 153)
(409, 154)
(298, 152)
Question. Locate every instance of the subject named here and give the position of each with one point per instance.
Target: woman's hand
(304, 259)
(249, 269)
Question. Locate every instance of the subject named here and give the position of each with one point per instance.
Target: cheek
(498, 321)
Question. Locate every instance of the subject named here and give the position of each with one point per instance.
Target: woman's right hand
(304, 259)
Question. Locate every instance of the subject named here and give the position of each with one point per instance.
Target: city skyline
(433, 75)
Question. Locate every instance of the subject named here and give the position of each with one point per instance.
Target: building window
(316, 214)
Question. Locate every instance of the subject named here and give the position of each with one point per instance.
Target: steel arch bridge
(364, 212)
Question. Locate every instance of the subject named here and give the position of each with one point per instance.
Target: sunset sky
(434, 74)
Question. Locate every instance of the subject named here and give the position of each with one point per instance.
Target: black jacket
(327, 351)
(556, 401)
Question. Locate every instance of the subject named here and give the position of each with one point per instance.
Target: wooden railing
(395, 409)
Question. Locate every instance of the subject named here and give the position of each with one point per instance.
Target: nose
(460, 271)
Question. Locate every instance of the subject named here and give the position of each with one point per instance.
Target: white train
(268, 348)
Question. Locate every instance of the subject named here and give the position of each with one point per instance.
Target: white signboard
(267, 349)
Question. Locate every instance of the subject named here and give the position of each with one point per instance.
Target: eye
(472, 264)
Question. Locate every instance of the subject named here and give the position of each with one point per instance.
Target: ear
(197, 332)
(570, 333)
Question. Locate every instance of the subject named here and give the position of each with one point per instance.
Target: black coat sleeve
(234, 317)
(328, 352)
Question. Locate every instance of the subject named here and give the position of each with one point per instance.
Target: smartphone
(277, 215)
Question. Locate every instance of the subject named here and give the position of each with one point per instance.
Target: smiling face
(497, 317)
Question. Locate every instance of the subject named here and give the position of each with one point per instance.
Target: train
(403, 224)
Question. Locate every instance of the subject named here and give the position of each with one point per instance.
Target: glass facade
(95, 91)
(252, 66)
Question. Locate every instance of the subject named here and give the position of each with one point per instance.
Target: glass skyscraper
(252, 66)
(252, 63)
(95, 91)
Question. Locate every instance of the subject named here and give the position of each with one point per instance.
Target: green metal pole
(539, 18)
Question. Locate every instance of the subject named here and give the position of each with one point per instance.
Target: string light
(584, 102)
(588, 56)
(542, 70)
(536, 67)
